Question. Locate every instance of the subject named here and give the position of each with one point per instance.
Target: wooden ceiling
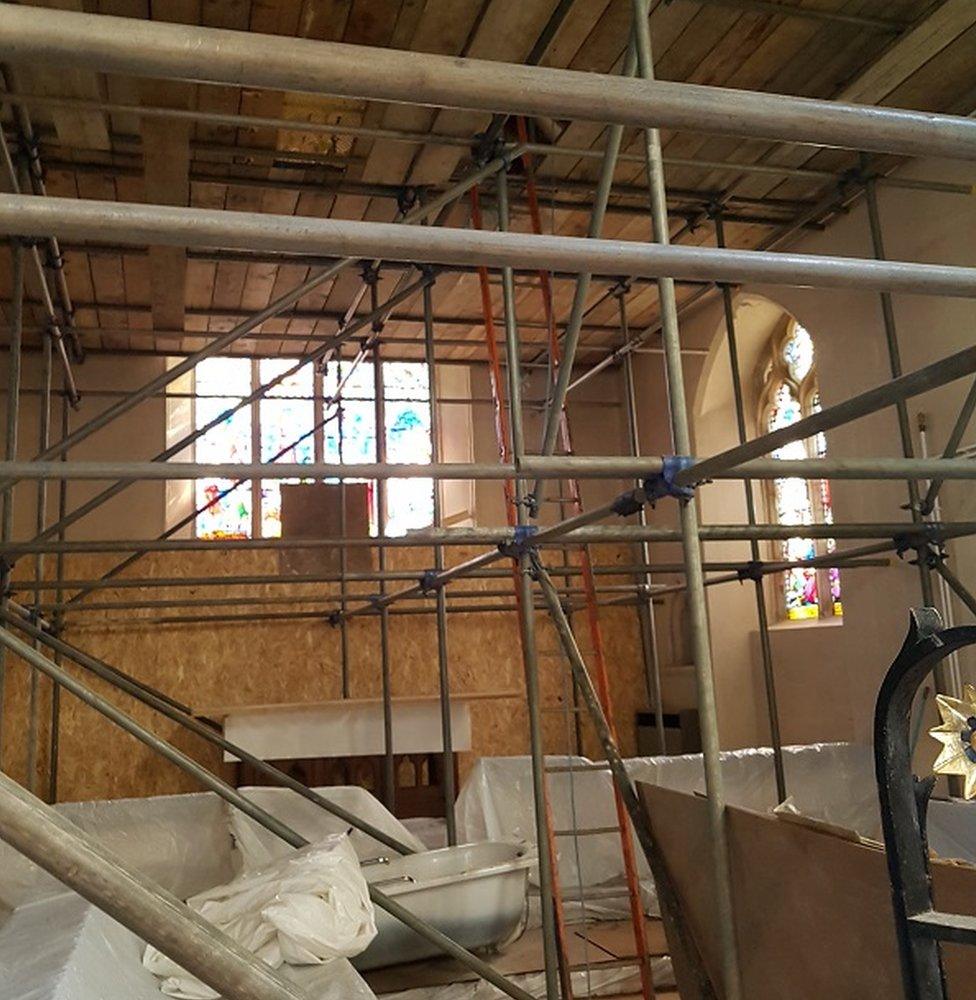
(921, 55)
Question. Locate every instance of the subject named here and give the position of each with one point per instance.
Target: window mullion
(255, 484)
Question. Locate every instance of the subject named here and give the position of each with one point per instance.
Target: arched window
(790, 392)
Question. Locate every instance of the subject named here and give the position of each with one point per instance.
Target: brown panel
(813, 909)
(314, 510)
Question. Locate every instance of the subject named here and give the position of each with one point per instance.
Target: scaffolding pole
(14, 373)
(526, 610)
(443, 664)
(166, 225)
(930, 500)
(44, 437)
(762, 616)
(216, 580)
(40, 278)
(904, 425)
(379, 416)
(252, 322)
(183, 716)
(259, 815)
(932, 376)
(54, 746)
(505, 537)
(671, 910)
(580, 467)
(645, 608)
(542, 149)
(139, 48)
(691, 541)
(552, 414)
(155, 915)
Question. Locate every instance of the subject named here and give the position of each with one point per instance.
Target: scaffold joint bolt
(334, 618)
(521, 537)
(628, 503)
(753, 570)
(664, 485)
(429, 582)
(407, 197)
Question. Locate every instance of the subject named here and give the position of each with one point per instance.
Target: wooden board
(314, 510)
(813, 909)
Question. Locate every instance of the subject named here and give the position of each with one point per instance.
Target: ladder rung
(589, 831)
(570, 768)
(592, 894)
(610, 963)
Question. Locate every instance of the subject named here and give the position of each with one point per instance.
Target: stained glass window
(790, 394)
(283, 427)
(406, 392)
(220, 383)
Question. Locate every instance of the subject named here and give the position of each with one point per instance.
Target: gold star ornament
(957, 734)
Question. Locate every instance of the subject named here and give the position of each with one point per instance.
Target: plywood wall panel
(286, 661)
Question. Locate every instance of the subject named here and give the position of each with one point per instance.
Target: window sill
(834, 621)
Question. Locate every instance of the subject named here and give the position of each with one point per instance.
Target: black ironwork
(904, 798)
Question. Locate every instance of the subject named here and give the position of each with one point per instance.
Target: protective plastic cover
(831, 782)
(180, 841)
(257, 846)
(307, 909)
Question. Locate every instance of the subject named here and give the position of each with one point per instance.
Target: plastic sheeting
(63, 948)
(180, 841)
(306, 909)
(257, 846)
(831, 782)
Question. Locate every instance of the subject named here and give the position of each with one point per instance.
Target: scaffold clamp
(521, 538)
(752, 570)
(429, 582)
(334, 618)
(628, 503)
(664, 485)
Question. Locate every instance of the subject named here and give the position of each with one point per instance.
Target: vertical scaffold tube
(527, 622)
(691, 542)
(443, 671)
(769, 677)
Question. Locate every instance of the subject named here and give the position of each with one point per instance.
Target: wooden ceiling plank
(911, 51)
(75, 128)
(876, 81)
(166, 168)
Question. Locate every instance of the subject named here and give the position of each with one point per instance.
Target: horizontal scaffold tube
(135, 224)
(140, 48)
(582, 467)
(587, 535)
(261, 816)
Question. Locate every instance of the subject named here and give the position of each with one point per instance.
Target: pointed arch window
(790, 392)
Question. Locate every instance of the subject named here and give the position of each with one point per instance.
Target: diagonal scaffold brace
(679, 936)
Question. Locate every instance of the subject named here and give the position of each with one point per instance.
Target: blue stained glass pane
(358, 432)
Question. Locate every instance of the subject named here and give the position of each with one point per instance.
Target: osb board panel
(813, 910)
(298, 660)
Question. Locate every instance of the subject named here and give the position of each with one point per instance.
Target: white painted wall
(827, 675)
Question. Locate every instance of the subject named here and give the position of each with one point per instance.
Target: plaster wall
(827, 674)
